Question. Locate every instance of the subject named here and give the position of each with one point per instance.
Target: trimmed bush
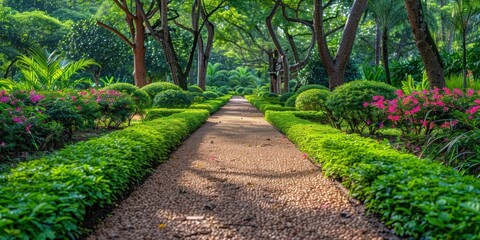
(140, 97)
(419, 199)
(157, 87)
(239, 90)
(347, 103)
(195, 89)
(155, 113)
(172, 99)
(47, 198)
(284, 97)
(312, 100)
(291, 101)
(122, 87)
(223, 89)
(115, 107)
(210, 95)
(310, 86)
(248, 91)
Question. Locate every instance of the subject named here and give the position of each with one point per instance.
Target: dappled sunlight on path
(237, 177)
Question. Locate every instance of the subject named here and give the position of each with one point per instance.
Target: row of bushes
(418, 198)
(48, 198)
(32, 120)
(264, 104)
(210, 105)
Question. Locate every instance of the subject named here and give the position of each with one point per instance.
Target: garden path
(237, 177)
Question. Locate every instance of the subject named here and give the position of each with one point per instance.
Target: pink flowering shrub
(422, 112)
(115, 107)
(23, 123)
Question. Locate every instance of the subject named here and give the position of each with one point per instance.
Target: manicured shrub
(157, 87)
(115, 107)
(312, 100)
(155, 113)
(347, 103)
(291, 101)
(197, 97)
(239, 90)
(310, 86)
(195, 89)
(63, 108)
(248, 91)
(122, 87)
(276, 107)
(267, 95)
(48, 198)
(223, 89)
(172, 99)
(284, 97)
(419, 199)
(210, 95)
(140, 97)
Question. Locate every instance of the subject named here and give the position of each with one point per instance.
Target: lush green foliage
(172, 99)
(312, 100)
(23, 124)
(140, 97)
(195, 89)
(418, 198)
(157, 87)
(347, 104)
(284, 97)
(115, 107)
(265, 104)
(291, 101)
(210, 95)
(48, 198)
(310, 86)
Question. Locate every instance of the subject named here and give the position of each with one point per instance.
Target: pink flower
(458, 92)
(393, 118)
(34, 98)
(2, 144)
(4, 99)
(79, 107)
(27, 128)
(470, 92)
(399, 93)
(365, 104)
(17, 120)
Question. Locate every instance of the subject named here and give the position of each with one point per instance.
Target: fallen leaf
(162, 225)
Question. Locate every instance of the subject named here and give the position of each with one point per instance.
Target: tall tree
(426, 45)
(466, 16)
(335, 66)
(136, 40)
(388, 14)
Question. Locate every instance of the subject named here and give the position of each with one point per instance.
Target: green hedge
(267, 104)
(48, 198)
(162, 112)
(420, 199)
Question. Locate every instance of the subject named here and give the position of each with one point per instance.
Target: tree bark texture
(425, 44)
(385, 56)
(281, 53)
(335, 66)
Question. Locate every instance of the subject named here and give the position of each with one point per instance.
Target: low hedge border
(418, 198)
(266, 105)
(47, 198)
(210, 105)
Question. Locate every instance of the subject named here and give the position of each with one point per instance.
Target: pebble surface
(237, 177)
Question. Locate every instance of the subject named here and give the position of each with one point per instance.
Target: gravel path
(237, 177)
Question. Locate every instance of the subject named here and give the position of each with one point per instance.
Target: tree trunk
(204, 52)
(335, 67)
(425, 44)
(271, 71)
(179, 78)
(378, 39)
(281, 53)
(140, 69)
(385, 56)
(464, 59)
